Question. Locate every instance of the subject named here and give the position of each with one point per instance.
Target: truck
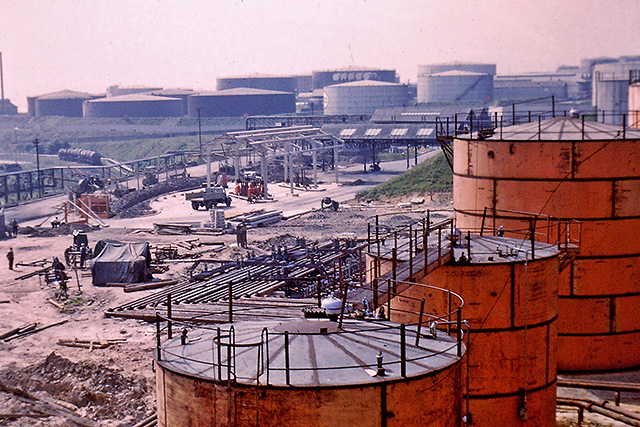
(208, 198)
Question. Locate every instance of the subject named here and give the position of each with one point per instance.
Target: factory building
(133, 105)
(241, 102)
(259, 81)
(129, 90)
(66, 103)
(456, 82)
(611, 87)
(323, 78)
(527, 178)
(182, 94)
(363, 97)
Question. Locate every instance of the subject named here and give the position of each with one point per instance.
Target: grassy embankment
(431, 176)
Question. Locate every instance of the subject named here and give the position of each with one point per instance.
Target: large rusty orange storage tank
(568, 168)
(511, 305)
(300, 373)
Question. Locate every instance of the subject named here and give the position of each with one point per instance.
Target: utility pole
(200, 131)
(37, 143)
(3, 109)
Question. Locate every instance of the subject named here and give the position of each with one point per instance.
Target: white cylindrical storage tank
(610, 90)
(135, 105)
(455, 86)
(363, 97)
(634, 105)
(300, 373)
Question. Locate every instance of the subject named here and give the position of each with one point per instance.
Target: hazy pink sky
(87, 45)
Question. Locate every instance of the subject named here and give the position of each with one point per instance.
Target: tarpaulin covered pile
(118, 262)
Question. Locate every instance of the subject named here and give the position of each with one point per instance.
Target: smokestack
(2, 110)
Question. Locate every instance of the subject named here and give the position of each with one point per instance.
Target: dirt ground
(114, 385)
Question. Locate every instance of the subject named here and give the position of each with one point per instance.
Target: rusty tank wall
(505, 358)
(594, 181)
(429, 401)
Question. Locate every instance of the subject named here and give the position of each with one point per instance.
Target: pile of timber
(27, 329)
(91, 344)
(175, 228)
(258, 218)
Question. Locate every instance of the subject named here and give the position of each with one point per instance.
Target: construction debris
(34, 330)
(90, 344)
(254, 219)
(24, 328)
(48, 407)
(55, 304)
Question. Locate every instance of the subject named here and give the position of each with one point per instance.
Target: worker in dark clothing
(10, 258)
(14, 227)
(83, 254)
(241, 234)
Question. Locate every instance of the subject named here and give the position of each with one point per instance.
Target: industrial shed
(135, 105)
(363, 97)
(66, 103)
(240, 102)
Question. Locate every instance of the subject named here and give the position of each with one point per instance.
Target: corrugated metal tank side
(598, 327)
(495, 295)
(432, 400)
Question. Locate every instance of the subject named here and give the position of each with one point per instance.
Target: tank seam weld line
(511, 394)
(517, 328)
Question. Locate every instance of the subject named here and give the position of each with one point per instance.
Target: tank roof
(257, 76)
(493, 249)
(172, 91)
(365, 83)
(564, 129)
(455, 73)
(352, 68)
(320, 355)
(241, 91)
(134, 97)
(67, 94)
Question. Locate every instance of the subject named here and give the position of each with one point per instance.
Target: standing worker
(241, 235)
(10, 258)
(14, 227)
